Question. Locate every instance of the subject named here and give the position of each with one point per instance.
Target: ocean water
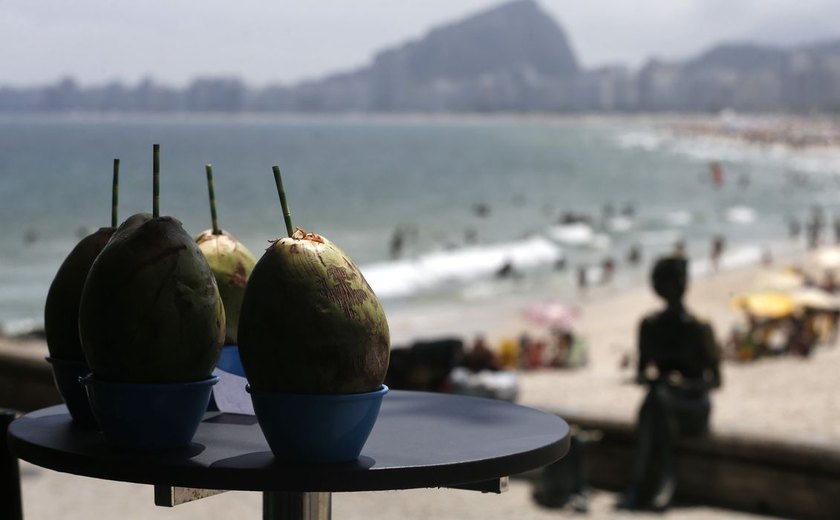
(470, 195)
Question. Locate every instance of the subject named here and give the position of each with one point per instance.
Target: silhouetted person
(582, 281)
(480, 357)
(481, 210)
(470, 235)
(507, 271)
(397, 241)
(829, 283)
(607, 212)
(30, 237)
(716, 174)
(815, 227)
(607, 270)
(679, 361)
(836, 225)
(718, 245)
(766, 257)
(634, 254)
(794, 227)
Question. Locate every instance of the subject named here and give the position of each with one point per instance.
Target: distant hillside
(737, 58)
(746, 77)
(512, 58)
(493, 60)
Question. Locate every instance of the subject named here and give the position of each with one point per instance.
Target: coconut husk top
(310, 323)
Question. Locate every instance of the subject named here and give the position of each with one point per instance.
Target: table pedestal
(281, 505)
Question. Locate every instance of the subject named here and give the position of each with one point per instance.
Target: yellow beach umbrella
(765, 304)
(828, 258)
(815, 298)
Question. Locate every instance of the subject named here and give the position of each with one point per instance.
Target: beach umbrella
(780, 280)
(551, 314)
(828, 258)
(765, 304)
(814, 298)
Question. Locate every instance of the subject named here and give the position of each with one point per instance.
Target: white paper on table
(230, 394)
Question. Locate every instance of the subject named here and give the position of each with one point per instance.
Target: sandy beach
(787, 397)
(48, 496)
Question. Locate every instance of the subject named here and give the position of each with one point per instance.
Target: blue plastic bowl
(148, 416)
(317, 428)
(66, 374)
(229, 360)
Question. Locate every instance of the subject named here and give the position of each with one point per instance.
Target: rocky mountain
(516, 37)
(497, 59)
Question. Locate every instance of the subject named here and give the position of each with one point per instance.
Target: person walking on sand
(607, 270)
(634, 254)
(815, 227)
(836, 225)
(582, 281)
(718, 244)
(679, 361)
(794, 228)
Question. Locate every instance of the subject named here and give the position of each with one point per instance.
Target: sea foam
(404, 278)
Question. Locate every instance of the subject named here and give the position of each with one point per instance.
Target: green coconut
(231, 263)
(310, 323)
(150, 310)
(61, 312)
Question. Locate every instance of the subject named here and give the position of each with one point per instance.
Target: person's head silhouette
(670, 279)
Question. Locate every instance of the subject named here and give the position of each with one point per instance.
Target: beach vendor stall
(768, 316)
(793, 321)
(822, 309)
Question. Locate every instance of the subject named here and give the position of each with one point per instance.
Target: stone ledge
(26, 381)
(790, 477)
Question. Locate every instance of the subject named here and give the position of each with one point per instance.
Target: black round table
(420, 440)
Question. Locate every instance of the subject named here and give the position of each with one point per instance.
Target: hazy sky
(265, 41)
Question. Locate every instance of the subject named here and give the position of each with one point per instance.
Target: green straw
(212, 194)
(115, 193)
(287, 215)
(156, 180)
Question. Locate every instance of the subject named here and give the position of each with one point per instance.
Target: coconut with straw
(230, 261)
(61, 312)
(310, 323)
(150, 310)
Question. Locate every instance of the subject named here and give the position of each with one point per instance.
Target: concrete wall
(26, 381)
(793, 477)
